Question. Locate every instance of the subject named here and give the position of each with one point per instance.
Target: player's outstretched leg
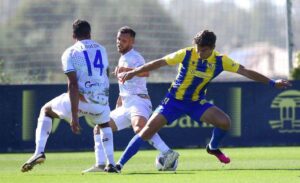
(212, 147)
(221, 121)
(34, 160)
(219, 154)
(131, 149)
(41, 135)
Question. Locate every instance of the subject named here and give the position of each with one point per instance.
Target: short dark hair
(81, 29)
(127, 30)
(205, 38)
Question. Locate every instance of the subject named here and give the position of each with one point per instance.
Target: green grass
(255, 165)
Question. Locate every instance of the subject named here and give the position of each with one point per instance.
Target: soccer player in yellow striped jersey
(198, 65)
(195, 73)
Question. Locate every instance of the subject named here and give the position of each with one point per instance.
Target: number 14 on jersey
(97, 62)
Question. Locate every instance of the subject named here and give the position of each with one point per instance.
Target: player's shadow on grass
(243, 169)
(193, 171)
(157, 173)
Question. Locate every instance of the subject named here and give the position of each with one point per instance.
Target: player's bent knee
(138, 124)
(226, 123)
(45, 110)
(137, 128)
(96, 130)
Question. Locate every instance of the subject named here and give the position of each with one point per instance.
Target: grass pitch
(249, 165)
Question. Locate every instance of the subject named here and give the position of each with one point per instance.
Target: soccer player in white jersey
(85, 64)
(133, 106)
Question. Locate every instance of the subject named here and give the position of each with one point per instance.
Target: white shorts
(97, 113)
(131, 106)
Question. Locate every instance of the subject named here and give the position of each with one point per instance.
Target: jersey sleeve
(176, 57)
(66, 60)
(138, 61)
(229, 64)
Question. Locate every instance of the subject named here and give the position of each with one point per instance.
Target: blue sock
(131, 149)
(217, 135)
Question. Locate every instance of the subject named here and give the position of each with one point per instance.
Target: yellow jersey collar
(211, 58)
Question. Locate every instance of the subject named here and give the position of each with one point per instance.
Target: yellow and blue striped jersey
(194, 74)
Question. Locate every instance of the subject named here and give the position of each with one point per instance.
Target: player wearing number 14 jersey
(85, 64)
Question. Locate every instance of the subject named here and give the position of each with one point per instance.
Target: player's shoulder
(186, 49)
(68, 52)
(216, 54)
(190, 48)
(100, 45)
(96, 45)
(138, 54)
(134, 55)
(224, 57)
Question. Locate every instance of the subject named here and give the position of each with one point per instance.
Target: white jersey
(137, 85)
(89, 60)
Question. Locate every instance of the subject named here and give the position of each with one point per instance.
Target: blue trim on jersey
(218, 70)
(182, 73)
(201, 66)
(219, 66)
(70, 70)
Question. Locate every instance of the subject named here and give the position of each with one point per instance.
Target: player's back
(89, 60)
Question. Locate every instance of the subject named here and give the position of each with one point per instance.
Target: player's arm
(153, 65)
(74, 99)
(126, 69)
(144, 74)
(280, 83)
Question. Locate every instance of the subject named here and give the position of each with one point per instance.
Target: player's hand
(282, 84)
(116, 71)
(124, 76)
(75, 127)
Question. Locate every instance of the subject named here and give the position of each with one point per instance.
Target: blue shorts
(172, 109)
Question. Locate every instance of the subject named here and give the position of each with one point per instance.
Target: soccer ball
(160, 161)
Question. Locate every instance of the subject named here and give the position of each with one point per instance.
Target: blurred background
(260, 34)
(34, 33)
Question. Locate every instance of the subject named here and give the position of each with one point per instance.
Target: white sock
(99, 152)
(42, 133)
(158, 143)
(108, 144)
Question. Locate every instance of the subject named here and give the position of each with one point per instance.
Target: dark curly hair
(127, 30)
(81, 29)
(205, 38)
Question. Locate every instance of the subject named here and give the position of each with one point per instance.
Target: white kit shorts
(132, 105)
(98, 113)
